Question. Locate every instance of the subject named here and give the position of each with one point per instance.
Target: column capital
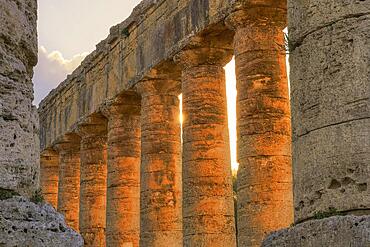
(127, 103)
(155, 86)
(258, 15)
(198, 54)
(68, 142)
(49, 152)
(93, 125)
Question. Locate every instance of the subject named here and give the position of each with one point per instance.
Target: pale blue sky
(67, 31)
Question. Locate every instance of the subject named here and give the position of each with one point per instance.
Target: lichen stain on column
(93, 180)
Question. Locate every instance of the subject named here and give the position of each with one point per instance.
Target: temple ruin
(115, 163)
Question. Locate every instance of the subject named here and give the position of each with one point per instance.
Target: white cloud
(51, 70)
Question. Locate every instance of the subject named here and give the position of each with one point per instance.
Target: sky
(68, 30)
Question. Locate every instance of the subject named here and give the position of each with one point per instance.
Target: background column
(49, 169)
(208, 208)
(264, 184)
(161, 199)
(69, 179)
(93, 189)
(123, 193)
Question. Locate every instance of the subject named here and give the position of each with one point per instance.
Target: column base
(24, 223)
(338, 231)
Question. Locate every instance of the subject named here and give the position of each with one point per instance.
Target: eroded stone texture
(336, 231)
(161, 193)
(264, 184)
(49, 176)
(93, 190)
(69, 179)
(208, 210)
(330, 89)
(123, 191)
(23, 223)
(19, 150)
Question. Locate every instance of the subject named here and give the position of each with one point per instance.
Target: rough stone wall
(330, 92)
(155, 31)
(19, 149)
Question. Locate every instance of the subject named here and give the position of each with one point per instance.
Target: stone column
(330, 87)
(93, 189)
(208, 208)
(330, 91)
(123, 193)
(264, 187)
(160, 207)
(69, 179)
(49, 170)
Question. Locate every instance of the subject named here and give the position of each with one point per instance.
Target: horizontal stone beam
(151, 36)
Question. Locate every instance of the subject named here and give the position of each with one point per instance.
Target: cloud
(51, 70)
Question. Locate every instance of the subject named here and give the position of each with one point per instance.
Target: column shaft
(263, 126)
(69, 181)
(93, 183)
(49, 165)
(161, 216)
(123, 193)
(207, 184)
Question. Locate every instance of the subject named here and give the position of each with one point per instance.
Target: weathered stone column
(330, 91)
(160, 207)
(264, 185)
(123, 193)
(208, 208)
(93, 188)
(69, 179)
(49, 176)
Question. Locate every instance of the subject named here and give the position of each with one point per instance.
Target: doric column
(160, 207)
(208, 210)
(69, 179)
(123, 192)
(264, 186)
(93, 189)
(330, 107)
(49, 160)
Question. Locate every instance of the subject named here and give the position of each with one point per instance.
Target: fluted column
(69, 179)
(263, 120)
(93, 180)
(160, 208)
(123, 192)
(208, 211)
(49, 165)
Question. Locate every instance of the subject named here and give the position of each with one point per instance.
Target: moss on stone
(7, 194)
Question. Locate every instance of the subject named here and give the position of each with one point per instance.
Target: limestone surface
(338, 231)
(330, 91)
(19, 149)
(24, 223)
(264, 184)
